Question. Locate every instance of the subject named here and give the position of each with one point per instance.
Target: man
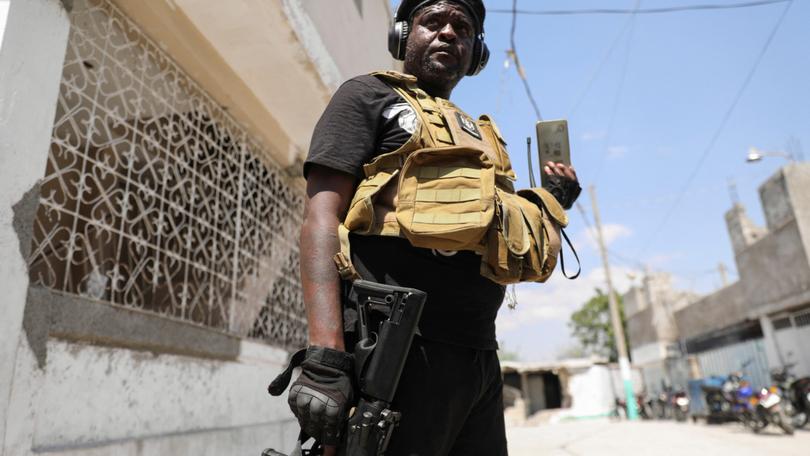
(450, 393)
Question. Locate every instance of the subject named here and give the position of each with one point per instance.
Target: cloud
(615, 152)
(663, 259)
(558, 298)
(593, 135)
(610, 232)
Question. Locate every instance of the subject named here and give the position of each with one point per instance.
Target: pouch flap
(515, 232)
(543, 198)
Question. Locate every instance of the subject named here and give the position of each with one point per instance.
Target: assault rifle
(387, 321)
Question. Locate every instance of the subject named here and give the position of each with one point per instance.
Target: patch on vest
(406, 116)
(468, 125)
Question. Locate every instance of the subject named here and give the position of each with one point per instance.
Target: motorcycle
(727, 399)
(670, 404)
(660, 405)
(796, 393)
(642, 407)
(680, 405)
(768, 408)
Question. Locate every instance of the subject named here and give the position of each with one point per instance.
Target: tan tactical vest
(450, 187)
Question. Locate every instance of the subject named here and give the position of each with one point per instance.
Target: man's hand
(322, 395)
(562, 182)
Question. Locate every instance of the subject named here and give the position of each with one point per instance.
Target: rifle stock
(387, 321)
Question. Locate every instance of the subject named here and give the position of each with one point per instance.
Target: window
(155, 198)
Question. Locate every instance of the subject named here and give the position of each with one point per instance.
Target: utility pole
(615, 317)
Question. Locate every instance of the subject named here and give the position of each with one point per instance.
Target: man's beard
(438, 73)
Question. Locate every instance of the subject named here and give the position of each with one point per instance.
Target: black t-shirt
(364, 119)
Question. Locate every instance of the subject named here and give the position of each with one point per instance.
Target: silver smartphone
(552, 144)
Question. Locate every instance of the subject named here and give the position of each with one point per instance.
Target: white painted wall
(649, 353)
(89, 399)
(109, 397)
(340, 32)
(591, 393)
(28, 93)
(4, 4)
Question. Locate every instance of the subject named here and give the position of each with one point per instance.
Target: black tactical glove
(322, 395)
(566, 190)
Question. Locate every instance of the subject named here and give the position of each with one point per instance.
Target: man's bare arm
(329, 193)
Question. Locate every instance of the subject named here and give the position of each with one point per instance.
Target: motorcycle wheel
(754, 423)
(799, 420)
(784, 422)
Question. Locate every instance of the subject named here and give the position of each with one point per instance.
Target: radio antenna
(529, 157)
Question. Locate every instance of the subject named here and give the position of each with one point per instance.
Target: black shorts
(451, 399)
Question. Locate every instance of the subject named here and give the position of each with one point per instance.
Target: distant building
(582, 388)
(652, 329)
(755, 324)
(150, 200)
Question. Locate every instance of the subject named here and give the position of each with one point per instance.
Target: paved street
(585, 438)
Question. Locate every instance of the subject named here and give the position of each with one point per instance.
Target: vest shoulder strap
(395, 77)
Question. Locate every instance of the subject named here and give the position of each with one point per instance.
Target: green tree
(591, 326)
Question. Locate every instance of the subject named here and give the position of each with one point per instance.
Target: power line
(671, 9)
(521, 72)
(598, 68)
(617, 98)
(719, 129)
(590, 230)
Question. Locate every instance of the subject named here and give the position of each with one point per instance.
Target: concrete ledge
(75, 318)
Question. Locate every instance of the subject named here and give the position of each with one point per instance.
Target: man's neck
(434, 91)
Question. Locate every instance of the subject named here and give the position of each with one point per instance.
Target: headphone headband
(401, 28)
(400, 16)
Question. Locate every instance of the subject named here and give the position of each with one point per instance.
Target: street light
(755, 155)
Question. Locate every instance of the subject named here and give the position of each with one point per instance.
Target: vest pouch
(545, 217)
(446, 198)
(361, 217)
(508, 241)
(524, 242)
(541, 259)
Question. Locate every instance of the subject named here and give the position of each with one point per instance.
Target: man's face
(440, 44)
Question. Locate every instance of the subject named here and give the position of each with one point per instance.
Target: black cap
(475, 8)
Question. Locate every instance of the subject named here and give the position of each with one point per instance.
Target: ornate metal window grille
(155, 198)
(802, 319)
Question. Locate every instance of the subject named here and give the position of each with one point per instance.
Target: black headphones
(398, 38)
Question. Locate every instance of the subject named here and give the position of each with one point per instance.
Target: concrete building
(653, 331)
(758, 323)
(570, 389)
(150, 198)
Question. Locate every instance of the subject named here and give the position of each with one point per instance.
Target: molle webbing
(450, 187)
(433, 117)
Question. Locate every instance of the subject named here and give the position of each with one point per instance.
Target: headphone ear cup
(397, 39)
(480, 57)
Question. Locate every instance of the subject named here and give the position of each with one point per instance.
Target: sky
(638, 131)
